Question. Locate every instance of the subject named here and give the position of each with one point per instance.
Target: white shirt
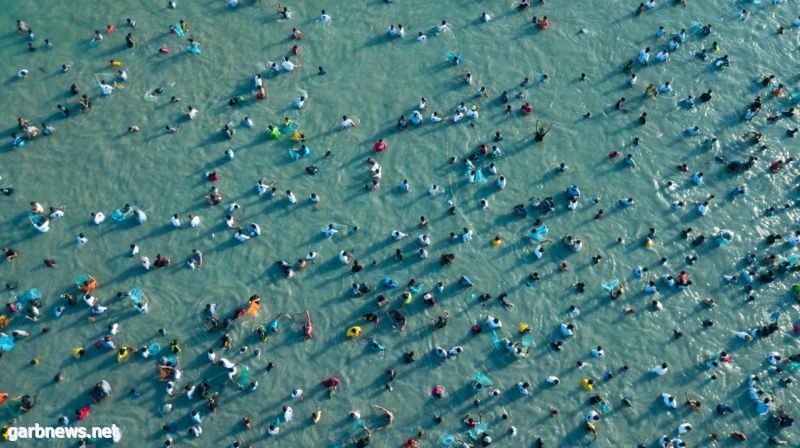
(287, 65)
(658, 370)
(226, 363)
(348, 123)
(538, 252)
(743, 335)
(107, 89)
(57, 214)
(89, 300)
(175, 221)
(195, 221)
(422, 38)
(98, 309)
(99, 217)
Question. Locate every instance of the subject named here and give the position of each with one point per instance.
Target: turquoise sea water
(92, 164)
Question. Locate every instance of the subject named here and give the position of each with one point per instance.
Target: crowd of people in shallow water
(758, 268)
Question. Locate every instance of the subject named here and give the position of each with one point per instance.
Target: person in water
(540, 132)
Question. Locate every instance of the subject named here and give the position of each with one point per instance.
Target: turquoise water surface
(93, 164)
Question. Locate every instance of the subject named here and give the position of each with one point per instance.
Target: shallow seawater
(92, 164)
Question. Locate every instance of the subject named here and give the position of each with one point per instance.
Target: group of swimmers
(757, 270)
